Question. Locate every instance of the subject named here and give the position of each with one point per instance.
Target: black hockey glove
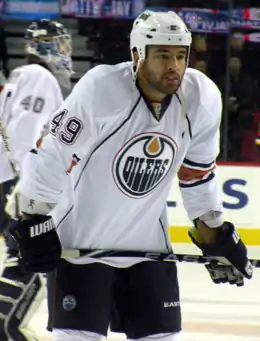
(229, 262)
(38, 242)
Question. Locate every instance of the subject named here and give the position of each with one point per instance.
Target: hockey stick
(4, 136)
(204, 259)
(7, 148)
(12, 204)
(151, 255)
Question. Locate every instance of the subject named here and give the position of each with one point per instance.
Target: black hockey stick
(204, 259)
(168, 257)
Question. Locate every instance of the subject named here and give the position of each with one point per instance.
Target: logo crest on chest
(143, 162)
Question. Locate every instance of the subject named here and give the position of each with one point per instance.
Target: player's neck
(149, 93)
(156, 102)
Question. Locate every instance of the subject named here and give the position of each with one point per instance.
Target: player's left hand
(229, 263)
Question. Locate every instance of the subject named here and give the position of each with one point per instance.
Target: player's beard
(166, 84)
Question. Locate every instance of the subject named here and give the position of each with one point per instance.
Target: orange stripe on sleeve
(189, 174)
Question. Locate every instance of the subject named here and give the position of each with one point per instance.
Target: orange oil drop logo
(154, 146)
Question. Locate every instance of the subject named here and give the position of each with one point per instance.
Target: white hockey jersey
(29, 98)
(128, 160)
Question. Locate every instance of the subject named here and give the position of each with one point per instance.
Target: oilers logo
(143, 162)
(69, 303)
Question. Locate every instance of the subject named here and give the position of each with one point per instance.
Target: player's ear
(135, 55)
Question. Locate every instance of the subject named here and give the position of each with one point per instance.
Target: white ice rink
(210, 312)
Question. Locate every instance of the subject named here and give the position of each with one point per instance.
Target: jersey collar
(157, 109)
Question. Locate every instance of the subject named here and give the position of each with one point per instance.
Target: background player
(132, 127)
(31, 94)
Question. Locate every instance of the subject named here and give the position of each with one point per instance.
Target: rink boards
(240, 190)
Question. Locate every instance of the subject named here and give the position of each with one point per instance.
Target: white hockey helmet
(158, 28)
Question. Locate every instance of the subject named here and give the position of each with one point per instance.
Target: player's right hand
(38, 242)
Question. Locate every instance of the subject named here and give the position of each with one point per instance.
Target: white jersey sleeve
(197, 178)
(72, 133)
(28, 99)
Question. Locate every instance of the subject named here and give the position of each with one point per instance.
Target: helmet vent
(173, 28)
(144, 16)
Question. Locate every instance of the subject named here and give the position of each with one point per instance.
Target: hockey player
(131, 127)
(30, 96)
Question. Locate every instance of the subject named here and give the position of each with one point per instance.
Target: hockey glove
(229, 262)
(38, 242)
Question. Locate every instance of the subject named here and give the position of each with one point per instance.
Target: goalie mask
(51, 42)
(158, 28)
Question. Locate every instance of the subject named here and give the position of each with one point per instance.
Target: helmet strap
(135, 69)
